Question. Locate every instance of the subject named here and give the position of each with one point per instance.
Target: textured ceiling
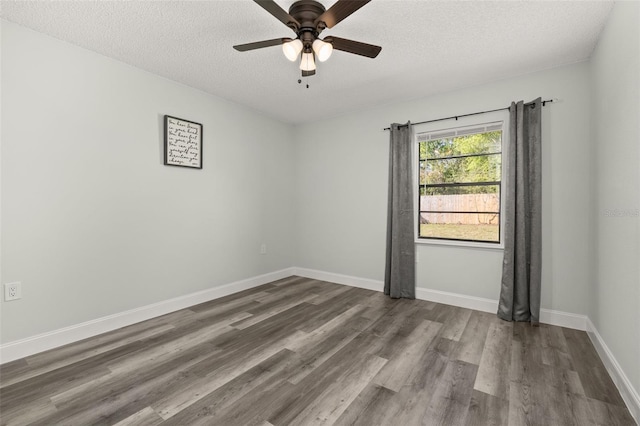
(427, 46)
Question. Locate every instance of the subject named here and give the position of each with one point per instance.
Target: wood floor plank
(451, 399)
(273, 327)
(540, 392)
(555, 347)
(492, 375)
(144, 417)
(294, 279)
(240, 363)
(244, 294)
(261, 313)
(398, 370)
(455, 323)
(594, 377)
(303, 351)
(336, 397)
(315, 355)
(523, 406)
(391, 331)
(161, 350)
(126, 394)
(336, 291)
(318, 315)
(218, 313)
(609, 414)
(257, 405)
(472, 340)
(289, 291)
(532, 340)
(13, 367)
(377, 304)
(415, 396)
(27, 413)
(311, 388)
(554, 388)
(320, 333)
(206, 410)
(525, 403)
(447, 347)
(71, 354)
(370, 407)
(49, 383)
(158, 352)
(487, 410)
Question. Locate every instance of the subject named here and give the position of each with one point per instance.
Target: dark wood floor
(301, 352)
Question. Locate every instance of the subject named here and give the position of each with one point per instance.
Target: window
(459, 184)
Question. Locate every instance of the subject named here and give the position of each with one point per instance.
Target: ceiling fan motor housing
(306, 12)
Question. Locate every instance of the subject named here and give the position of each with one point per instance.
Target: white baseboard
(564, 319)
(455, 299)
(349, 280)
(627, 391)
(547, 316)
(53, 339)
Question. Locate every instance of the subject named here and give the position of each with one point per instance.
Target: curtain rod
(467, 115)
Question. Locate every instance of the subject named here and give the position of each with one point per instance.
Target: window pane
(484, 168)
(460, 226)
(479, 143)
(431, 191)
(459, 175)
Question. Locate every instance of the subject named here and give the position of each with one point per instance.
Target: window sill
(460, 244)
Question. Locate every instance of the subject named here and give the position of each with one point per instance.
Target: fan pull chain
(300, 82)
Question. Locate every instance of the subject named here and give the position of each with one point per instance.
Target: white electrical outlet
(12, 291)
(263, 248)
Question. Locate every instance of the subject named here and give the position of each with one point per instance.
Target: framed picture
(182, 142)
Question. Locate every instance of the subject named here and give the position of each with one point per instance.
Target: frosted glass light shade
(307, 63)
(292, 49)
(323, 49)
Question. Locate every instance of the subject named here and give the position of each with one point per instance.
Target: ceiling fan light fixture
(292, 49)
(307, 63)
(323, 49)
(308, 18)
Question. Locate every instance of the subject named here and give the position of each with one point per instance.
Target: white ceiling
(427, 46)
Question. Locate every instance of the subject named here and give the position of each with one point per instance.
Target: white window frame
(453, 124)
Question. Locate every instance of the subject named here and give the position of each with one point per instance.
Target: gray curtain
(399, 277)
(520, 289)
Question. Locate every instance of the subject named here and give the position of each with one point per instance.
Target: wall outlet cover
(12, 291)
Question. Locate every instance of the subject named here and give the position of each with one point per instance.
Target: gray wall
(342, 191)
(615, 304)
(92, 222)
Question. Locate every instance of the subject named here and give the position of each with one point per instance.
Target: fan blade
(356, 47)
(261, 44)
(279, 13)
(340, 10)
(308, 73)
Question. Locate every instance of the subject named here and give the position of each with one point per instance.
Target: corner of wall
(614, 308)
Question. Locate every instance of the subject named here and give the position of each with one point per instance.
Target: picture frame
(182, 142)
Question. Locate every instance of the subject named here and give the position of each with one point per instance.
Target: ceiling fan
(308, 18)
